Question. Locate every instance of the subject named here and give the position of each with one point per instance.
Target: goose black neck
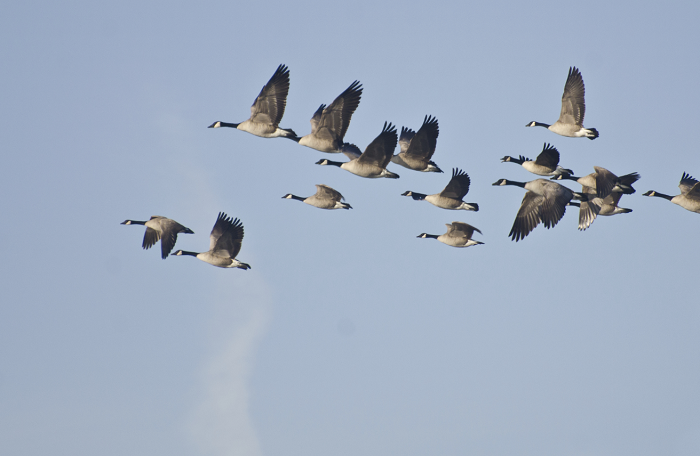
(185, 252)
(298, 198)
(133, 222)
(516, 183)
(415, 196)
(519, 161)
(660, 195)
(329, 162)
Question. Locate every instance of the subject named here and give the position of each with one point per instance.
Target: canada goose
(372, 163)
(604, 190)
(546, 164)
(543, 202)
(268, 109)
(459, 234)
(604, 182)
(329, 124)
(161, 228)
(610, 205)
(451, 196)
(689, 198)
(325, 198)
(418, 148)
(573, 109)
(605, 206)
(224, 244)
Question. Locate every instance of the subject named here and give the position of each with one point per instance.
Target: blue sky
(349, 335)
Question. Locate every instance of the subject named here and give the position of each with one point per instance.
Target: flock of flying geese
(545, 201)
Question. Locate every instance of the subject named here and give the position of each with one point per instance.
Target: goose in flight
(543, 202)
(610, 205)
(546, 164)
(329, 124)
(417, 148)
(224, 244)
(451, 196)
(604, 190)
(325, 198)
(604, 182)
(459, 234)
(573, 109)
(372, 163)
(689, 198)
(160, 228)
(267, 110)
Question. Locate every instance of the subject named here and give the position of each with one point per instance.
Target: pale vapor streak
(222, 424)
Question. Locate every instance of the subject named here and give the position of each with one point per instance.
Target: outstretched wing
(150, 238)
(268, 107)
(573, 105)
(464, 229)
(380, 151)
(605, 181)
(167, 243)
(458, 185)
(350, 150)
(425, 140)
(689, 186)
(549, 156)
(405, 139)
(324, 191)
(553, 207)
(316, 119)
(528, 216)
(335, 119)
(226, 236)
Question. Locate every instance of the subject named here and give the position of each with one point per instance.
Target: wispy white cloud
(222, 424)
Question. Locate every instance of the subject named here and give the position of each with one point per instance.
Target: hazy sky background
(349, 335)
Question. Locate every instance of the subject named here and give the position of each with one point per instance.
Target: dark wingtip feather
(437, 168)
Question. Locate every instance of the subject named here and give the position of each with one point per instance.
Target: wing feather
(528, 216)
(405, 139)
(549, 156)
(335, 119)
(423, 143)
(324, 191)
(458, 186)
(150, 238)
(465, 229)
(226, 236)
(269, 105)
(688, 185)
(380, 151)
(573, 105)
(316, 119)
